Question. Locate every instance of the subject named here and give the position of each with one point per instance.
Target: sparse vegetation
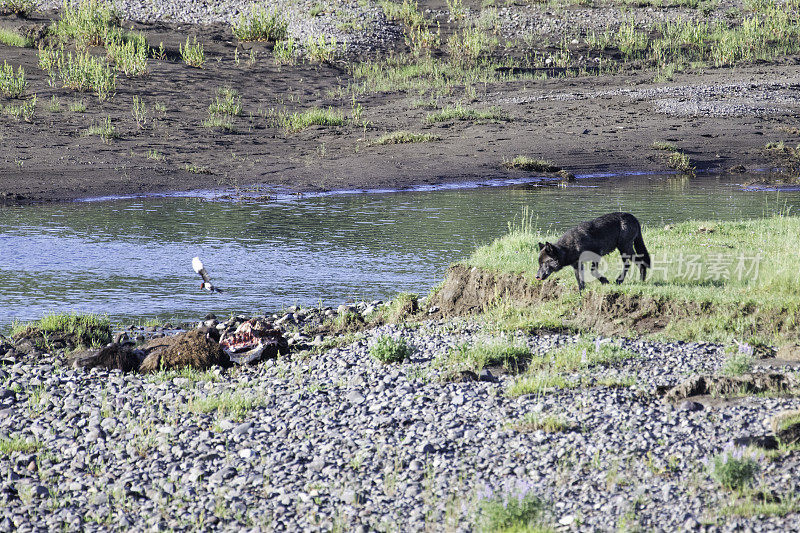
(458, 112)
(9, 445)
(89, 329)
(539, 422)
(492, 351)
(298, 121)
(104, 129)
(234, 405)
(261, 25)
(12, 85)
(387, 350)
(734, 468)
(12, 38)
(192, 52)
(402, 137)
(681, 162)
(528, 164)
(512, 508)
(23, 8)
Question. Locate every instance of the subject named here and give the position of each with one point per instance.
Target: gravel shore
(339, 441)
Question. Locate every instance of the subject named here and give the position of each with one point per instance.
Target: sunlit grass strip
(403, 137)
(94, 330)
(231, 404)
(522, 162)
(485, 351)
(298, 121)
(539, 422)
(81, 72)
(458, 112)
(9, 445)
(12, 38)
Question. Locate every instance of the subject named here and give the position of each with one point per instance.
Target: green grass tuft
(90, 329)
(522, 162)
(316, 116)
(261, 25)
(402, 137)
(12, 38)
(390, 350)
(458, 112)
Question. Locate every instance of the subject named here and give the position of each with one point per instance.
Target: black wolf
(588, 241)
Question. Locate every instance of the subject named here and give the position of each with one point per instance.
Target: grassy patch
(403, 137)
(234, 405)
(390, 350)
(298, 121)
(526, 163)
(490, 351)
(12, 38)
(458, 112)
(512, 509)
(711, 281)
(193, 375)
(226, 106)
(129, 53)
(9, 445)
(81, 71)
(664, 145)
(261, 25)
(89, 329)
(88, 22)
(538, 422)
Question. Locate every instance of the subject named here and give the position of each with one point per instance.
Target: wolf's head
(549, 260)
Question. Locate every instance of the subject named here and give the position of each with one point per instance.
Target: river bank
(163, 133)
(339, 441)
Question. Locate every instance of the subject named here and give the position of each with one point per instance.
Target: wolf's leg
(626, 253)
(597, 274)
(579, 275)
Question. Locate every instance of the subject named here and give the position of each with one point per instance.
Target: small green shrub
(12, 85)
(90, 329)
(320, 48)
(104, 129)
(222, 110)
(81, 72)
(664, 145)
(390, 350)
(192, 53)
(738, 364)
(528, 164)
(261, 25)
(285, 52)
(681, 162)
(491, 351)
(514, 508)
(129, 54)
(734, 468)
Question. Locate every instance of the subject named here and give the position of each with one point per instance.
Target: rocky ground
(335, 440)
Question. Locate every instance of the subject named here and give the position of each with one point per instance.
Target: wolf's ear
(547, 247)
(542, 245)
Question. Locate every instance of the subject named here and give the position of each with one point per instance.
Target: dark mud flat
(721, 118)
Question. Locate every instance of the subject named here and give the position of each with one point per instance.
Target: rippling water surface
(131, 259)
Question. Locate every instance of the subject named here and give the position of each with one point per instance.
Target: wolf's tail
(642, 255)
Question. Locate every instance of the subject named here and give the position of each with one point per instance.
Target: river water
(131, 258)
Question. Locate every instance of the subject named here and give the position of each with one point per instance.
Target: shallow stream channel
(131, 259)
